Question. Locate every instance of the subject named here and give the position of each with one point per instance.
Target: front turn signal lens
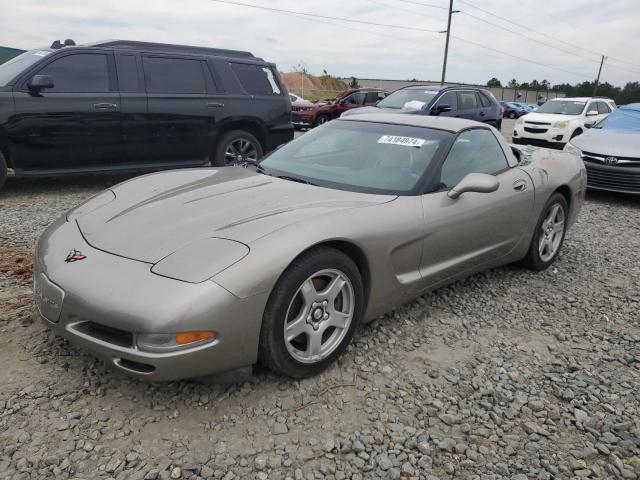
(184, 338)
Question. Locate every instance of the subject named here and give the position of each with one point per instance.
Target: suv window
(256, 79)
(373, 97)
(474, 151)
(449, 98)
(603, 108)
(355, 98)
(127, 73)
(484, 100)
(468, 100)
(173, 75)
(79, 73)
(592, 106)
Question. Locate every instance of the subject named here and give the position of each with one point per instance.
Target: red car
(307, 116)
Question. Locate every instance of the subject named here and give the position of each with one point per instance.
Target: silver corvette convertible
(191, 272)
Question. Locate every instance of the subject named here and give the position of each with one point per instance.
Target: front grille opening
(135, 366)
(106, 334)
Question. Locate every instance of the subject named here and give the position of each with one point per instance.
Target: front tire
(321, 120)
(549, 234)
(3, 170)
(512, 115)
(236, 147)
(311, 314)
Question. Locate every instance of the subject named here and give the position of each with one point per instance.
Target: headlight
(94, 203)
(168, 342)
(520, 121)
(560, 124)
(200, 260)
(569, 148)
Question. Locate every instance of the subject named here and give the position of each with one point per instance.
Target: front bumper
(540, 135)
(302, 119)
(613, 178)
(102, 302)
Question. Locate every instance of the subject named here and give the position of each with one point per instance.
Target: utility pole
(446, 45)
(595, 88)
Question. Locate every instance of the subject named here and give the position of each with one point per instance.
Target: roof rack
(167, 47)
(67, 43)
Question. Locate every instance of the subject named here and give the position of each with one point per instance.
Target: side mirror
(475, 182)
(592, 113)
(589, 124)
(38, 82)
(443, 107)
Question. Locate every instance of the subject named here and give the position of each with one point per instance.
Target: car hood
(155, 215)
(609, 143)
(360, 110)
(548, 117)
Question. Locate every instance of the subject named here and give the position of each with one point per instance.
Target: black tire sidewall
(218, 159)
(533, 260)
(273, 352)
(318, 122)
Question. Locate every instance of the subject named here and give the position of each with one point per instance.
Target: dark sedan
(611, 151)
(513, 110)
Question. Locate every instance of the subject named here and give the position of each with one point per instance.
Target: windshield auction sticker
(405, 141)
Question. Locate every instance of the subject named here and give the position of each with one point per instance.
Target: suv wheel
(236, 147)
(3, 170)
(321, 119)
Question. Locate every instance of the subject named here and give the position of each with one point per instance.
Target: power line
(326, 17)
(543, 34)
(431, 5)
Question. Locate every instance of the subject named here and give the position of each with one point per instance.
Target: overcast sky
(609, 27)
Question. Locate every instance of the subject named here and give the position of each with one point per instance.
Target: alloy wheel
(552, 231)
(240, 151)
(319, 316)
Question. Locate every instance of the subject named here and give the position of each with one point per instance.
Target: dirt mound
(15, 262)
(311, 86)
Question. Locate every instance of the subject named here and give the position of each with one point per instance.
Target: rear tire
(549, 234)
(3, 170)
(311, 313)
(234, 144)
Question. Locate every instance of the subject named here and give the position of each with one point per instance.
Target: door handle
(105, 106)
(482, 114)
(519, 185)
(215, 104)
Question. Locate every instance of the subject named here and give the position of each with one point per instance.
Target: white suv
(559, 120)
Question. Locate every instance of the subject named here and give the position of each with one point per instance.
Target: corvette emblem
(611, 161)
(74, 256)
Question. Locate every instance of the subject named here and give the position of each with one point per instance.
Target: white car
(559, 120)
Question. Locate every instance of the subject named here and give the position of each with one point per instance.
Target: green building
(7, 53)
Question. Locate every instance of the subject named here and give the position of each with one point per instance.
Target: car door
(182, 109)
(469, 105)
(355, 100)
(476, 228)
(448, 98)
(76, 124)
(371, 98)
(133, 108)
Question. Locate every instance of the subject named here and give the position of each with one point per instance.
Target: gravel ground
(509, 374)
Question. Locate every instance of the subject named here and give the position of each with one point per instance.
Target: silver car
(191, 272)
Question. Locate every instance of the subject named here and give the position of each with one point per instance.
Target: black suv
(472, 103)
(123, 105)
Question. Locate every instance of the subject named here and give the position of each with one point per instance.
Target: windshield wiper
(295, 179)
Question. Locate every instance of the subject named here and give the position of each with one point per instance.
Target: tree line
(630, 93)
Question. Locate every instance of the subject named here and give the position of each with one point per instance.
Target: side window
(79, 73)
(256, 79)
(372, 97)
(484, 100)
(468, 100)
(592, 106)
(127, 73)
(449, 98)
(355, 98)
(603, 108)
(474, 151)
(173, 75)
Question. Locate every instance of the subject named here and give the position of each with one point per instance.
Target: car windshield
(621, 120)
(358, 156)
(407, 99)
(11, 69)
(562, 107)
